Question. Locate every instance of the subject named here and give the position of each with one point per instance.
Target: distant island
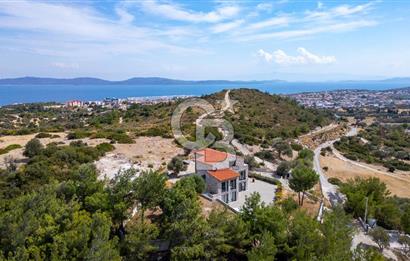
(166, 81)
(131, 81)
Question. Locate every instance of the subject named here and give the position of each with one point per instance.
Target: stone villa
(225, 174)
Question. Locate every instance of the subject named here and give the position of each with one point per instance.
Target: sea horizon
(27, 93)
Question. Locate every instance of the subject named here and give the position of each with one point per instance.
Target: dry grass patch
(149, 151)
(398, 184)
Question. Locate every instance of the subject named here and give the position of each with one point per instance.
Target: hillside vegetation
(260, 117)
(383, 144)
(55, 208)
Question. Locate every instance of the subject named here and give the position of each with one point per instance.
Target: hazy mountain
(131, 81)
(52, 81)
(398, 80)
(166, 81)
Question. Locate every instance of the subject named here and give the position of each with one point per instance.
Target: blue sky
(282, 39)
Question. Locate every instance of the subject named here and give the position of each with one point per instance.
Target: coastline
(18, 94)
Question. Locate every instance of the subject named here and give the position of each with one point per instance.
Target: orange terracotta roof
(211, 155)
(223, 174)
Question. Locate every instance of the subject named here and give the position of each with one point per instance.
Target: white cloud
(50, 31)
(338, 11)
(341, 18)
(125, 16)
(349, 10)
(275, 21)
(332, 28)
(265, 55)
(266, 7)
(313, 58)
(176, 12)
(304, 57)
(223, 27)
(71, 30)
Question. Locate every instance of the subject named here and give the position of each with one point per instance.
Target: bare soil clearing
(309, 205)
(146, 152)
(22, 140)
(208, 206)
(344, 170)
(149, 151)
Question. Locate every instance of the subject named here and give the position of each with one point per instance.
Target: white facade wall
(214, 187)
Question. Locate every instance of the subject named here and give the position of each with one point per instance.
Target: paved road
(325, 128)
(228, 104)
(329, 191)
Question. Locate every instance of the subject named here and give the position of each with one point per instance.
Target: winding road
(329, 191)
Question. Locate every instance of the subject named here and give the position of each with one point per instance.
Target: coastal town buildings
(74, 104)
(348, 99)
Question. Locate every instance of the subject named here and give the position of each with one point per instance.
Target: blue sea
(10, 94)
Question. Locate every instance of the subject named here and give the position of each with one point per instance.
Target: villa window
(224, 186)
(242, 175)
(233, 196)
(225, 198)
(242, 186)
(233, 184)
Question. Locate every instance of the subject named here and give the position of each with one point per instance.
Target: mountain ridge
(30, 80)
(131, 81)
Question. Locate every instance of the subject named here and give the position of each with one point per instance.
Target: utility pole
(196, 171)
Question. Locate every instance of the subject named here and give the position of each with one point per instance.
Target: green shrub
(121, 138)
(43, 135)
(306, 154)
(78, 134)
(25, 131)
(158, 131)
(199, 183)
(351, 157)
(176, 165)
(9, 148)
(269, 180)
(283, 168)
(105, 147)
(296, 146)
(78, 143)
(265, 154)
(116, 136)
(251, 162)
(397, 164)
(335, 181)
(289, 204)
(33, 148)
(391, 169)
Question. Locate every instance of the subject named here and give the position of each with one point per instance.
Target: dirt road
(329, 191)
